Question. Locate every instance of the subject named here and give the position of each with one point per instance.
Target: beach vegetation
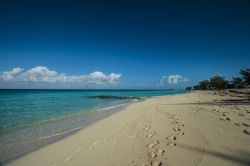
(196, 87)
(236, 83)
(218, 82)
(246, 76)
(204, 85)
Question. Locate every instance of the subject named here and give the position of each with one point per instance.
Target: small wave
(64, 132)
(116, 106)
(99, 110)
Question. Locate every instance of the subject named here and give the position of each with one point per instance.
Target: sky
(121, 44)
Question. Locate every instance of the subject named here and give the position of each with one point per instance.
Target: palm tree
(196, 87)
(237, 82)
(218, 82)
(246, 76)
(204, 85)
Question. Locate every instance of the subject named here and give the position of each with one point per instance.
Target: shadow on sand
(220, 102)
(240, 157)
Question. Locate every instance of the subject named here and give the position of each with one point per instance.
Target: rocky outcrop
(104, 97)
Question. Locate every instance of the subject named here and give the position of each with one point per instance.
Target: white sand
(179, 130)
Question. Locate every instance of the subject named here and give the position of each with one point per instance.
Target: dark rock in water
(113, 97)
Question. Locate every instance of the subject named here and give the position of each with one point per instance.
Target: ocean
(30, 119)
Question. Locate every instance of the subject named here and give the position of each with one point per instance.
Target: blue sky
(143, 41)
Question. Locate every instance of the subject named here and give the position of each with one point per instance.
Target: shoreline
(136, 136)
(90, 118)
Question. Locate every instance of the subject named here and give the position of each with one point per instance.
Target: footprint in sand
(146, 127)
(153, 144)
(247, 111)
(175, 122)
(171, 118)
(134, 161)
(160, 152)
(171, 138)
(214, 110)
(181, 133)
(156, 163)
(178, 125)
(237, 124)
(133, 136)
(171, 144)
(150, 135)
(241, 115)
(176, 129)
(68, 158)
(244, 124)
(152, 155)
(93, 145)
(247, 131)
(228, 119)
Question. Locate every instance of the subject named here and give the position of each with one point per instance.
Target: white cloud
(11, 75)
(43, 74)
(173, 79)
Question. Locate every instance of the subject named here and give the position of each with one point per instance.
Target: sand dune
(198, 128)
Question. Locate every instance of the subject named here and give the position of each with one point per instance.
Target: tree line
(219, 82)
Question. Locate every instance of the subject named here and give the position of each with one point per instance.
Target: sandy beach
(199, 128)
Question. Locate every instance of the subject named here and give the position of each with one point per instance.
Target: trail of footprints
(244, 125)
(241, 113)
(70, 157)
(177, 128)
(107, 138)
(156, 152)
(110, 138)
(225, 116)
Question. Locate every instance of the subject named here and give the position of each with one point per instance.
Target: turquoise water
(33, 118)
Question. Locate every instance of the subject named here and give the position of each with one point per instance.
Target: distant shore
(201, 127)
